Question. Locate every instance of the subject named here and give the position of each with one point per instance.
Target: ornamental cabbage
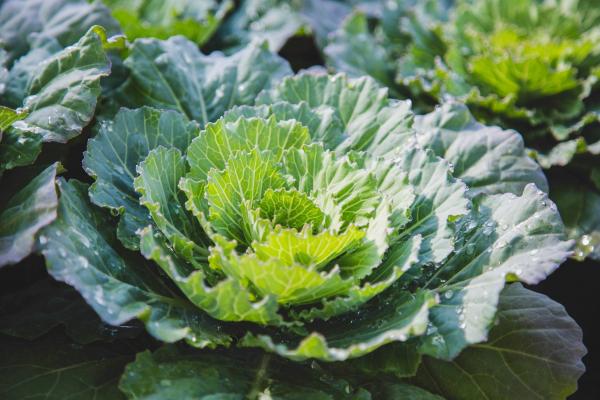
(313, 220)
(528, 65)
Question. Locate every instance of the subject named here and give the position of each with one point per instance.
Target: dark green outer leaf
(81, 250)
(534, 352)
(19, 148)
(36, 309)
(28, 211)
(62, 94)
(580, 208)
(55, 368)
(174, 374)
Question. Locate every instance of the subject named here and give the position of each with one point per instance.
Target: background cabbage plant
(527, 65)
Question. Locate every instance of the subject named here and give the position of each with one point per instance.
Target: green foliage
(247, 232)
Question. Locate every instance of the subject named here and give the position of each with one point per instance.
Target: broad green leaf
(120, 145)
(354, 50)
(580, 209)
(19, 148)
(76, 70)
(274, 21)
(196, 20)
(174, 74)
(373, 123)
(8, 116)
(215, 145)
(157, 183)
(64, 20)
(397, 318)
(506, 238)
(533, 351)
(28, 211)
(561, 154)
(440, 199)
(54, 367)
(81, 249)
(173, 373)
(488, 159)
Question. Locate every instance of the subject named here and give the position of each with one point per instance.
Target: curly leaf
(157, 183)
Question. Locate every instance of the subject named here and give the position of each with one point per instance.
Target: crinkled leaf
(324, 123)
(28, 211)
(216, 144)
(228, 300)
(157, 183)
(373, 122)
(81, 249)
(534, 351)
(245, 179)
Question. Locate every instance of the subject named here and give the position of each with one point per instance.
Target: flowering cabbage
(310, 216)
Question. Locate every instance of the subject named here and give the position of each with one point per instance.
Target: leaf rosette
(313, 220)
